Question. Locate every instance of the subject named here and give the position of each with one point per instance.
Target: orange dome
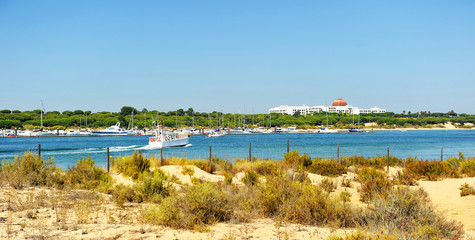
(339, 102)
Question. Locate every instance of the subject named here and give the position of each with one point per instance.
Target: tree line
(12, 119)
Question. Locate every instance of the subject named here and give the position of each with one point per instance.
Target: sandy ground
(42, 213)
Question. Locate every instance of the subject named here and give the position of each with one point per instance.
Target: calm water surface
(423, 144)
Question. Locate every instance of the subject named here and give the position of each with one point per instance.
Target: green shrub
(122, 194)
(199, 205)
(408, 214)
(250, 178)
(30, 170)
(302, 202)
(228, 178)
(373, 183)
(294, 159)
(467, 167)
(86, 175)
(377, 162)
(328, 185)
(152, 186)
(132, 166)
(430, 170)
(466, 190)
(326, 167)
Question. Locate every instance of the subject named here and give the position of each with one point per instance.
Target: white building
(338, 106)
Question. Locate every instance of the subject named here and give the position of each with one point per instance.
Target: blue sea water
(421, 144)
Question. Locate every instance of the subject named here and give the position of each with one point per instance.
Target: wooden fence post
(161, 156)
(338, 152)
(388, 160)
(287, 145)
(108, 160)
(441, 154)
(250, 156)
(39, 150)
(210, 154)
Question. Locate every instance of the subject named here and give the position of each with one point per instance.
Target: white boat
(326, 130)
(237, 131)
(217, 133)
(114, 130)
(163, 139)
(291, 130)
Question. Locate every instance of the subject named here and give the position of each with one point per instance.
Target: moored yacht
(114, 130)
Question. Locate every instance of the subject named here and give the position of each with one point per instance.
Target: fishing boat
(163, 138)
(114, 130)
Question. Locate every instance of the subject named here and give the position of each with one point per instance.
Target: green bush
(132, 166)
(152, 186)
(408, 214)
(199, 205)
(467, 167)
(373, 184)
(122, 194)
(294, 159)
(86, 175)
(30, 170)
(430, 170)
(466, 190)
(250, 178)
(302, 202)
(326, 167)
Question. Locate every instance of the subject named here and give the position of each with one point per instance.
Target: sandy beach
(47, 213)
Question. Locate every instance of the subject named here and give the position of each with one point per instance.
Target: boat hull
(170, 143)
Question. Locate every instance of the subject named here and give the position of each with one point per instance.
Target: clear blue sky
(209, 55)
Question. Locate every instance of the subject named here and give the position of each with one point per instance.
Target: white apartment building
(338, 106)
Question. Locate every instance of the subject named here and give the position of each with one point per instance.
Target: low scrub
(86, 175)
(326, 167)
(408, 214)
(430, 170)
(376, 162)
(199, 205)
(294, 159)
(302, 202)
(132, 166)
(30, 170)
(467, 167)
(373, 183)
(152, 187)
(466, 190)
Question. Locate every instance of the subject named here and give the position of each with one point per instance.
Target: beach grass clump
(86, 175)
(466, 190)
(197, 206)
(295, 160)
(131, 165)
(327, 167)
(374, 183)
(30, 170)
(328, 185)
(302, 202)
(408, 214)
(430, 170)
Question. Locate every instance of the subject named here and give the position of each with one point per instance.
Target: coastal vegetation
(12, 119)
(295, 190)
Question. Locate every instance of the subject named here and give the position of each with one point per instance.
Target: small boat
(114, 130)
(326, 130)
(217, 133)
(356, 130)
(163, 138)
